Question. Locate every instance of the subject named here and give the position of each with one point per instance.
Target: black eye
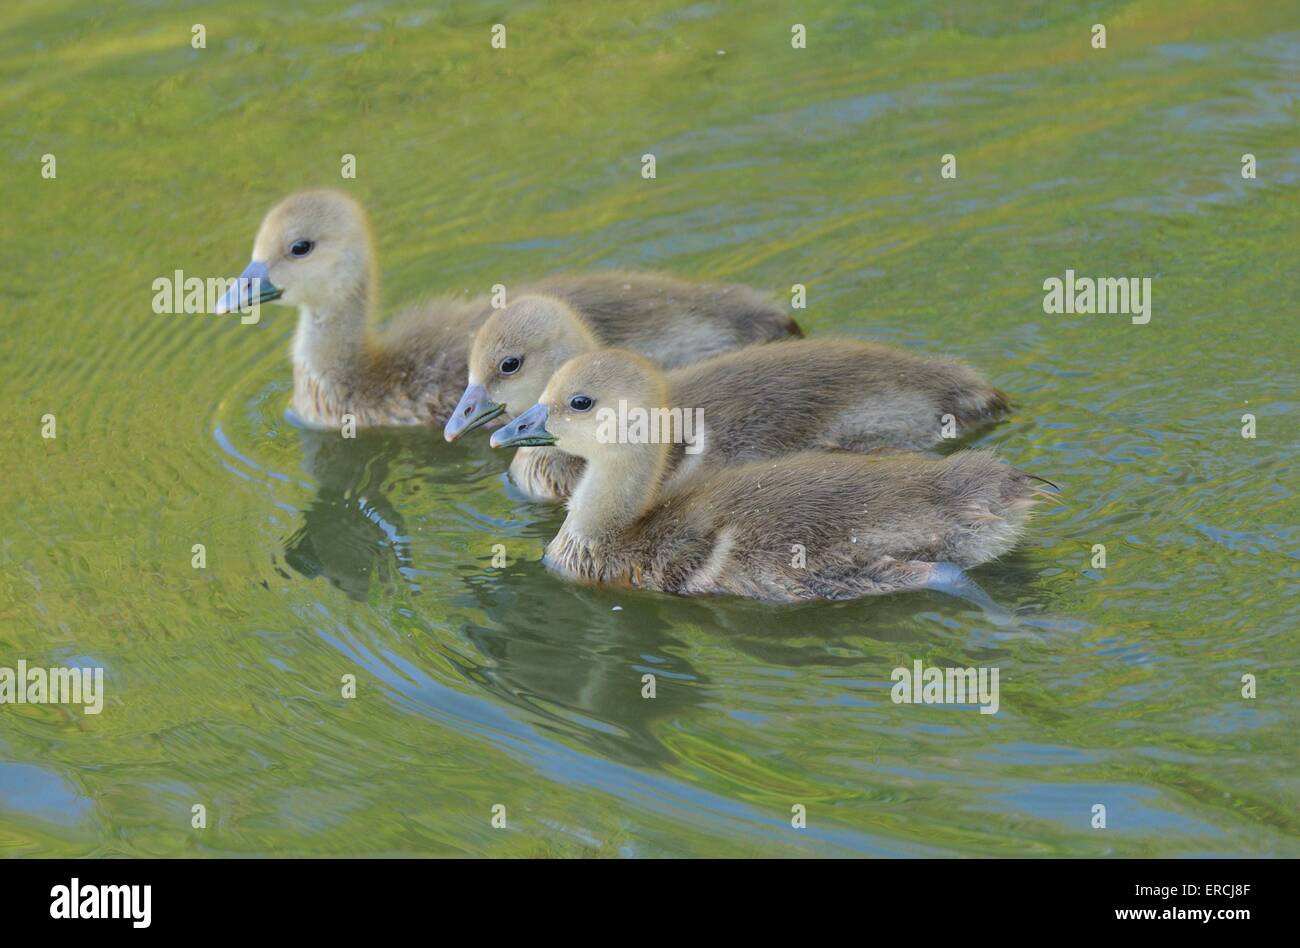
(580, 403)
(510, 365)
(300, 248)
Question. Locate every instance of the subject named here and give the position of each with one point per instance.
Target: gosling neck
(334, 335)
(617, 488)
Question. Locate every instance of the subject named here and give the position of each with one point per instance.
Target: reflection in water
(351, 534)
(573, 657)
(354, 535)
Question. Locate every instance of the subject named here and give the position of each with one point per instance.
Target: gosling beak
(251, 287)
(526, 431)
(474, 410)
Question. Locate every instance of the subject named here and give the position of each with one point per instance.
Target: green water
(481, 686)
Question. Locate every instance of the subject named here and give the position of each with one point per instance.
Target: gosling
(760, 402)
(314, 251)
(815, 525)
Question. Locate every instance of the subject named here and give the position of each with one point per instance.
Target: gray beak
(473, 410)
(253, 286)
(526, 431)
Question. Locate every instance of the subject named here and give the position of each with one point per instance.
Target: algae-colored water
(372, 557)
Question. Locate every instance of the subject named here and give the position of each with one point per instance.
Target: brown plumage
(413, 372)
(760, 402)
(815, 525)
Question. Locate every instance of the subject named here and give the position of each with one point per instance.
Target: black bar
(334, 897)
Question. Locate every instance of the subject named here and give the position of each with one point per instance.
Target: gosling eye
(300, 248)
(581, 402)
(510, 365)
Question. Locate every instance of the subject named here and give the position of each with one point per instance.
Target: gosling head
(313, 250)
(514, 354)
(579, 409)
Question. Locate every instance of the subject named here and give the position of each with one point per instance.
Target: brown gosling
(314, 251)
(814, 525)
(844, 394)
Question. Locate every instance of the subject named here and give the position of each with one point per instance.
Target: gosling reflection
(351, 533)
(572, 659)
(577, 659)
